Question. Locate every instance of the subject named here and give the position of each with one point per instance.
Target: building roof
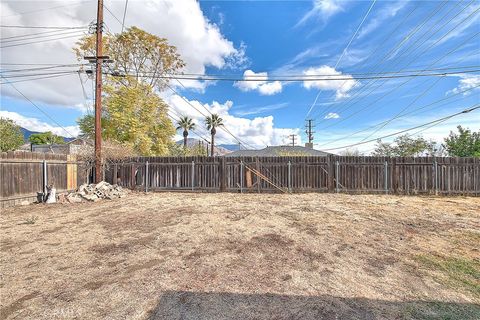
(278, 151)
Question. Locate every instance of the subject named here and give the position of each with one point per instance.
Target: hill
(27, 133)
(219, 150)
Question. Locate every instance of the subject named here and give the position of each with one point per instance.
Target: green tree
(465, 143)
(11, 136)
(134, 115)
(135, 53)
(45, 138)
(132, 111)
(186, 124)
(195, 150)
(351, 153)
(212, 123)
(405, 146)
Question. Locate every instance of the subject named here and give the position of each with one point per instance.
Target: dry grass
(231, 256)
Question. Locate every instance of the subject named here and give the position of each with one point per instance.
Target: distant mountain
(27, 133)
(231, 147)
(219, 150)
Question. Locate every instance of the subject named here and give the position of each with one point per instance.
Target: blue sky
(293, 38)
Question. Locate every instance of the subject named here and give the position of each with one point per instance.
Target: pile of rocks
(95, 192)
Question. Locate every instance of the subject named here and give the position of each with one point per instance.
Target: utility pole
(98, 95)
(293, 136)
(309, 130)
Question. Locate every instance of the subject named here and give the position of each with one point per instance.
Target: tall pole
(309, 130)
(98, 95)
(293, 139)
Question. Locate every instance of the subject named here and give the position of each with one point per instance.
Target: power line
(42, 27)
(124, 14)
(473, 108)
(33, 34)
(353, 74)
(411, 61)
(44, 9)
(400, 85)
(112, 14)
(355, 34)
(30, 64)
(382, 42)
(41, 41)
(416, 111)
(36, 106)
(53, 66)
(178, 80)
(41, 78)
(343, 52)
(38, 74)
(393, 50)
(56, 34)
(203, 114)
(299, 79)
(398, 114)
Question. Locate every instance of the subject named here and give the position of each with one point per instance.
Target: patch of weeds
(30, 220)
(437, 310)
(469, 238)
(457, 271)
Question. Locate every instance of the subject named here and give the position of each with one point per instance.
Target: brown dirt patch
(234, 256)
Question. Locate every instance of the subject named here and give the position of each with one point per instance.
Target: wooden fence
(25, 174)
(394, 175)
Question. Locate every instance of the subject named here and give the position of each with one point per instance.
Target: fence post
(386, 178)
(289, 176)
(222, 174)
(330, 170)
(337, 175)
(435, 168)
(146, 176)
(115, 174)
(241, 176)
(44, 180)
(257, 167)
(193, 175)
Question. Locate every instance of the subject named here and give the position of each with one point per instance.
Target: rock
(96, 192)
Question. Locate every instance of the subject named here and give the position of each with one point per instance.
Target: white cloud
(270, 88)
(33, 124)
(332, 115)
(322, 9)
(466, 82)
(262, 109)
(386, 13)
(199, 41)
(258, 132)
(261, 84)
(341, 87)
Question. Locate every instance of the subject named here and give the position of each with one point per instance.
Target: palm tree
(212, 123)
(186, 124)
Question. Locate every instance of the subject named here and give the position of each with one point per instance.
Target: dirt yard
(233, 256)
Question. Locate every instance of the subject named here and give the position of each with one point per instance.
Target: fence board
(398, 175)
(21, 174)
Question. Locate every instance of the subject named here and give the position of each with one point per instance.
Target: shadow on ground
(212, 306)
